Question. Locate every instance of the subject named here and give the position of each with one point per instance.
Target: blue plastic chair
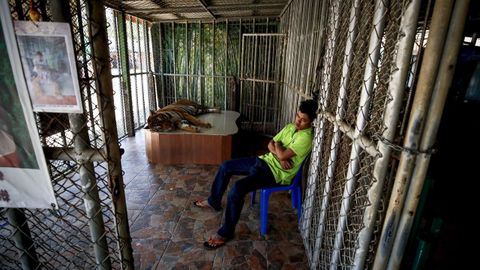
(265, 194)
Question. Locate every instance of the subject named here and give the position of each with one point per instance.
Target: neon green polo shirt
(299, 142)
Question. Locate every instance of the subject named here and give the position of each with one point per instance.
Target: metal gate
(261, 67)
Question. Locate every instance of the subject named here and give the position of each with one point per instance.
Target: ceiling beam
(206, 8)
(210, 8)
(218, 19)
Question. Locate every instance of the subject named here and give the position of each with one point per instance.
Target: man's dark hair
(309, 107)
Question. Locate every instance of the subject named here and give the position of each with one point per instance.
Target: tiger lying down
(179, 115)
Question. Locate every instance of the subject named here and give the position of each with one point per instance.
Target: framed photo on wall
(24, 177)
(48, 61)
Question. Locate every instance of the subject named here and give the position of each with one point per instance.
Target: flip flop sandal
(200, 204)
(212, 244)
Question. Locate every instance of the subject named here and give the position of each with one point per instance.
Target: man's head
(306, 114)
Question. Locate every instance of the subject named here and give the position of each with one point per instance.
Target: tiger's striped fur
(179, 115)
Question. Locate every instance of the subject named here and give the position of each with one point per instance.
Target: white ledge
(223, 124)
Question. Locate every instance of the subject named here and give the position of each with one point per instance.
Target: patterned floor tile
(168, 231)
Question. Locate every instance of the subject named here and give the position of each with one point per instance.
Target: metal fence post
(91, 198)
(364, 110)
(340, 114)
(396, 89)
(105, 101)
(23, 238)
(125, 74)
(87, 176)
(432, 122)
(333, 24)
(427, 77)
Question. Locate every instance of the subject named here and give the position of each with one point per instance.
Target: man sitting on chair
(278, 167)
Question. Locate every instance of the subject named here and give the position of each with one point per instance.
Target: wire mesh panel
(90, 227)
(61, 239)
(194, 10)
(331, 201)
(359, 52)
(303, 23)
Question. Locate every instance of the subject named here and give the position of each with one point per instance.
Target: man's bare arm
(280, 151)
(271, 147)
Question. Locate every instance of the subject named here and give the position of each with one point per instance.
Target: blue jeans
(258, 175)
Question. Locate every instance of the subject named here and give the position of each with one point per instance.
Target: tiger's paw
(189, 128)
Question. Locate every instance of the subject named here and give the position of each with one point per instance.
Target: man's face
(302, 121)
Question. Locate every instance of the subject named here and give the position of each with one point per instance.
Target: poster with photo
(24, 178)
(46, 52)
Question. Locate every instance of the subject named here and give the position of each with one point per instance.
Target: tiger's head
(161, 121)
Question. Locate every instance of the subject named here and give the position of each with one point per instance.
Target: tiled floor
(168, 231)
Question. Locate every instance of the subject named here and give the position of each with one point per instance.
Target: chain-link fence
(303, 23)
(358, 58)
(356, 55)
(90, 227)
(352, 93)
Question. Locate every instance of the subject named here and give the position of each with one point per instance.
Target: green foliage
(210, 52)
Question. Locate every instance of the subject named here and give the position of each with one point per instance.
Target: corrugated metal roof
(185, 10)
